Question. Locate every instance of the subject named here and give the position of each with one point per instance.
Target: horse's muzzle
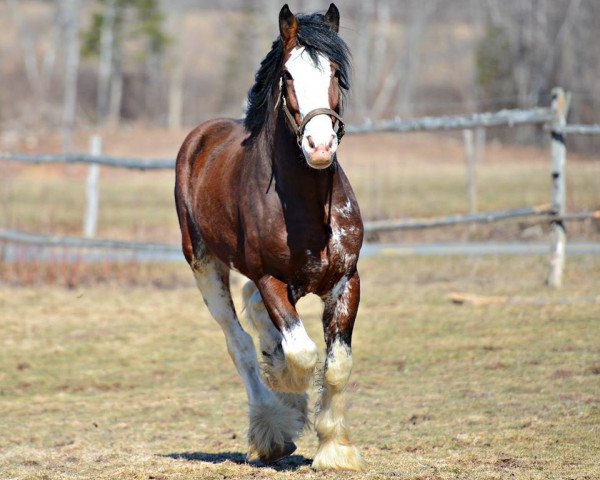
(319, 155)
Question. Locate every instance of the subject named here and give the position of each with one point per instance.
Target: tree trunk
(415, 36)
(176, 73)
(72, 24)
(32, 70)
(362, 51)
(116, 93)
(176, 94)
(105, 67)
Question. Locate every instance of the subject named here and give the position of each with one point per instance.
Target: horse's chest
(315, 270)
(343, 246)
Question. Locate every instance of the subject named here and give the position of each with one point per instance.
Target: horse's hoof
(286, 451)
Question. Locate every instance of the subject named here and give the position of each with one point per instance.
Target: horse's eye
(286, 76)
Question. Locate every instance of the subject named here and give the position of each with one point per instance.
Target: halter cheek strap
(299, 129)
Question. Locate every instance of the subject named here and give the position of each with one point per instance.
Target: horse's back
(204, 139)
(205, 171)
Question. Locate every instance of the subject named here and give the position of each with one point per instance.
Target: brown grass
(134, 382)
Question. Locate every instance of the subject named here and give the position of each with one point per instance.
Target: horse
(266, 196)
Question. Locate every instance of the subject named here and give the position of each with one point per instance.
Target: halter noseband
(299, 129)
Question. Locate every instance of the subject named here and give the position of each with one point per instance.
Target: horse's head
(311, 91)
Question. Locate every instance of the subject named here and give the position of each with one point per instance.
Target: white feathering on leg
(272, 425)
(335, 451)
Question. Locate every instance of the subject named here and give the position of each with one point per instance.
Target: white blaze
(311, 84)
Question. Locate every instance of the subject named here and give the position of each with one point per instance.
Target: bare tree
(71, 12)
(105, 66)
(386, 76)
(175, 117)
(421, 14)
(37, 72)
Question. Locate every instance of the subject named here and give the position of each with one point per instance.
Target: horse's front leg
(290, 366)
(335, 449)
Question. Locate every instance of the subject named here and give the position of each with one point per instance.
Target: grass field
(125, 380)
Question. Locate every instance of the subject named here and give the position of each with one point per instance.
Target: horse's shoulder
(216, 129)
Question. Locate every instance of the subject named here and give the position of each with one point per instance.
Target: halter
(299, 129)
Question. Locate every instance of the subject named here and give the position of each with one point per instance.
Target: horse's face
(311, 85)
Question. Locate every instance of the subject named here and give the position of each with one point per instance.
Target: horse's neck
(295, 181)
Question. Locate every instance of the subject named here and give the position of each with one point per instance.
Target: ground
(130, 379)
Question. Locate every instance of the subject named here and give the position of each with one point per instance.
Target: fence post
(558, 238)
(92, 193)
(480, 135)
(471, 172)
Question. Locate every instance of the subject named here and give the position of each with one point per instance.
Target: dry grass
(134, 382)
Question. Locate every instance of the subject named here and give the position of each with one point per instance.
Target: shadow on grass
(291, 463)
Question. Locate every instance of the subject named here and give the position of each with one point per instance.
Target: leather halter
(299, 129)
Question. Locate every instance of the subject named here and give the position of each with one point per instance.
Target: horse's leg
(273, 425)
(289, 368)
(335, 449)
(273, 364)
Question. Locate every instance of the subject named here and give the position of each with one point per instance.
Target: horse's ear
(332, 18)
(288, 24)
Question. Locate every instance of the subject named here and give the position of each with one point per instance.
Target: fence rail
(121, 162)
(459, 122)
(508, 118)
(15, 236)
(578, 129)
(488, 217)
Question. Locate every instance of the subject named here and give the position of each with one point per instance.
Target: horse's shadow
(291, 463)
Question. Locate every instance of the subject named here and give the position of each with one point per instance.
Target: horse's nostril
(311, 144)
(330, 145)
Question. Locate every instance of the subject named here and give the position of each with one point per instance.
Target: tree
(71, 12)
(117, 23)
(38, 71)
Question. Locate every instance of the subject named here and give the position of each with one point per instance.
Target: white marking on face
(311, 84)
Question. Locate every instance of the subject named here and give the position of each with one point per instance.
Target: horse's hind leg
(273, 425)
(274, 367)
(335, 449)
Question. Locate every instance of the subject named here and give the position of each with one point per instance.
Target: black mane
(317, 37)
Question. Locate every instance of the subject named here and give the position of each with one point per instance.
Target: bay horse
(266, 196)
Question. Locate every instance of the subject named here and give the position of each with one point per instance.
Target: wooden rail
(488, 217)
(91, 158)
(459, 122)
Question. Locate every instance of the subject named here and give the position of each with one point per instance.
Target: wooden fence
(554, 118)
